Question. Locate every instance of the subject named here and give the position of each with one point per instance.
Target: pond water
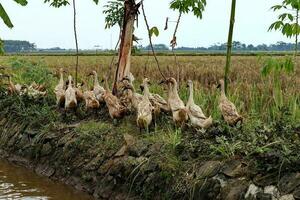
(18, 183)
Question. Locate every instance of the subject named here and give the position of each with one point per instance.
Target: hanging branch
(151, 44)
(174, 43)
(76, 42)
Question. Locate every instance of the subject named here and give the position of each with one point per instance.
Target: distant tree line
(15, 46)
(237, 46)
(11, 46)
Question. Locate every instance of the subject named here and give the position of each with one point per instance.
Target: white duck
(70, 96)
(179, 111)
(196, 115)
(144, 109)
(228, 109)
(60, 88)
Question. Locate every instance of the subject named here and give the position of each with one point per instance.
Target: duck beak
(219, 86)
(162, 82)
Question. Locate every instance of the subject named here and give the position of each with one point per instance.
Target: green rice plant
(274, 69)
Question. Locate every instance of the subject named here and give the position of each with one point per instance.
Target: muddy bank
(117, 162)
(132, 169)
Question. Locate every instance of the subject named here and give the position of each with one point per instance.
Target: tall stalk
(297, 32)
(76, 42)
(229, 43)
(173, 44)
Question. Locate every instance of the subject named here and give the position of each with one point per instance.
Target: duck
(97, 88)
(195, 113)
(70, 95)
(159, 102)
(176, 105)
(227, 108)
(130, 97)
(38, 87)
(60, 89)
(79, 92)
(33, 91)
(13, 89)
(116, 110)
(144, 109)
(90, 99)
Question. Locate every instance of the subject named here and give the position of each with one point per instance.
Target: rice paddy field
(257, 97)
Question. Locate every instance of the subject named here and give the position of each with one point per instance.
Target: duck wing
(229, 109)
(196, 111)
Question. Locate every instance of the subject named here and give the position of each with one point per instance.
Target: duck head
(221, 84)
(92, 73)
(189, 84)
(146, 81)
(69, 82)
(170, 80)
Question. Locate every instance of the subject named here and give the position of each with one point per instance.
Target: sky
(53, 27)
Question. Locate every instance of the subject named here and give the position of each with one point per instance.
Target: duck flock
(146, 106)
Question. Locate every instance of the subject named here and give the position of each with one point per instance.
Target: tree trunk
(131, 10)
(76, 43)
(229, 43)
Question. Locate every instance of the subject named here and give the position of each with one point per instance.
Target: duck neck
(70, 83)
(61, 80)
(9, 80)
(96, 81)
(146, 90)
(173, 92)
(223, 91)
(191, 96)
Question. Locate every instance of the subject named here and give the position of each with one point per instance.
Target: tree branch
(150, 40)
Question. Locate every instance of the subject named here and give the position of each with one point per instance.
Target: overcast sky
(51, 27)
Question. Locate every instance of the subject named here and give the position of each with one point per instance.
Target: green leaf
(5, 17)
(154, 30)
(114, 11)
(186, 6)
(291, 17)
(96, 1)
(57, 3)
(276, 7)
(21, 2)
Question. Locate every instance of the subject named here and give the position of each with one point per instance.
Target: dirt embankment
(115, 162)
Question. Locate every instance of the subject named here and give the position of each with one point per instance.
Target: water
(18, 183)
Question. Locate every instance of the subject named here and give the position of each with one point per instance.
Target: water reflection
(17, 183)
